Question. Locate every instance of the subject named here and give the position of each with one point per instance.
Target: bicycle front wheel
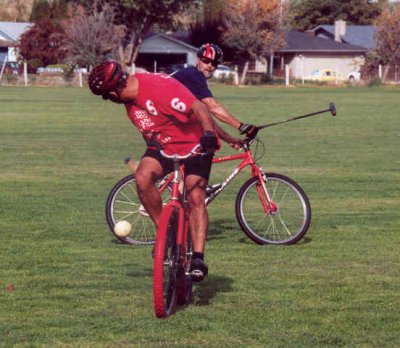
(123, 204)
(166, 263)
(286, 224)
(185, 283)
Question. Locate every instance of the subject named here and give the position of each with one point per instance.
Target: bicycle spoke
(123, 204)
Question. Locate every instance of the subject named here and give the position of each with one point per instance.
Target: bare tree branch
(91, 39)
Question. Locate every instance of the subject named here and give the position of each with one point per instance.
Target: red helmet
(106, 77)
(211, 51)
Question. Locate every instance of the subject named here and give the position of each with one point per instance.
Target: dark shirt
(195, 81)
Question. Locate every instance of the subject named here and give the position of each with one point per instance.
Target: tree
(208, 26)
(90, 40)
(42, 44)
(307, 14)
(212, 10)
(387, 38)
(253, 28)
(43, 9)
(40, 10)
(15, 11)
(139, 17)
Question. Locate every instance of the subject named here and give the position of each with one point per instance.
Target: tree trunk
(135, 49)
(244, 73)
(385, 72)
(121, 56)
(137, 41)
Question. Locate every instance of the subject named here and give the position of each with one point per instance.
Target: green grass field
(61, 151)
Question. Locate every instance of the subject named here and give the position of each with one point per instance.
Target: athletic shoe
(198, 270)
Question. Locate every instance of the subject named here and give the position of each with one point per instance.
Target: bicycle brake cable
(258, 143)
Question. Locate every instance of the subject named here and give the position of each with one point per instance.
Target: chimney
(340, 30)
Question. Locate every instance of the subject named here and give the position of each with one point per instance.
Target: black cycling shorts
(197, 165)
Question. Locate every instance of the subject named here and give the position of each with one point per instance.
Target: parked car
(224, 71)
(323, 75)
(354, 76)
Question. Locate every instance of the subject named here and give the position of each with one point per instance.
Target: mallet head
(332, 109)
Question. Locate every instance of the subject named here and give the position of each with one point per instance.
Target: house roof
(5, 43)
(11, 31)
(359, 35)
(182, 35)
(166, 38)
(300, 42)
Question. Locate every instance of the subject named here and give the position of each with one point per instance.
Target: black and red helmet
(211, 51)
(106, 77)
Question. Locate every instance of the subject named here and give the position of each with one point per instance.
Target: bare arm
(206, 121)
(234, 142)
(220, 112)
(200, 111)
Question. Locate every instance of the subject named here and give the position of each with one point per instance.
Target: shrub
(375, 82)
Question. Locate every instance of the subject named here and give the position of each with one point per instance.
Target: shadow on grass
(209, 287)
(219, 229)
(304, 240)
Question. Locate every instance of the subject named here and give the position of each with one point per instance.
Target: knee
(197, 199)
(141, 179)
(146, 179)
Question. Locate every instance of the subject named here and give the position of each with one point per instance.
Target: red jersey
(161, 113)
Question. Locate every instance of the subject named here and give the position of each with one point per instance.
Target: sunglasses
(209, 61)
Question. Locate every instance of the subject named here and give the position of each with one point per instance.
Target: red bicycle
(172, 283)
(270, 208)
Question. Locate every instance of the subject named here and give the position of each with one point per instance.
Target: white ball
(122, 228)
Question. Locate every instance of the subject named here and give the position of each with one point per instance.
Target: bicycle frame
(246, 159)
(178, 202)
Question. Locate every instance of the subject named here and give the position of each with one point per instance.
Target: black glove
(248, 129)
(209, 141)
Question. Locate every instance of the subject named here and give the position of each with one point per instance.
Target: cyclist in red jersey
(169, 118)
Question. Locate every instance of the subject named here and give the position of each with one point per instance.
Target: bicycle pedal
(196, 275)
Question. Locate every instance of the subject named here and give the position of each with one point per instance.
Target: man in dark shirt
(195, 79)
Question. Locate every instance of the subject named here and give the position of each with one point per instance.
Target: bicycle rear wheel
(166, 263)
(287, 225)
(123, 204)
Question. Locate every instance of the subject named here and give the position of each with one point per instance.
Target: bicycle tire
(166, 263)
(185, 282)
(286, 226)
(123, 204)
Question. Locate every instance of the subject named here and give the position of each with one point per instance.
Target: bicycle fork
(269, 206)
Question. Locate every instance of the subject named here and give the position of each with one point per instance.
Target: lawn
(65, 282)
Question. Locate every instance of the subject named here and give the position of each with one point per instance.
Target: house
(305, 53)
(10, 33)
(160, 52)
(336, 47)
